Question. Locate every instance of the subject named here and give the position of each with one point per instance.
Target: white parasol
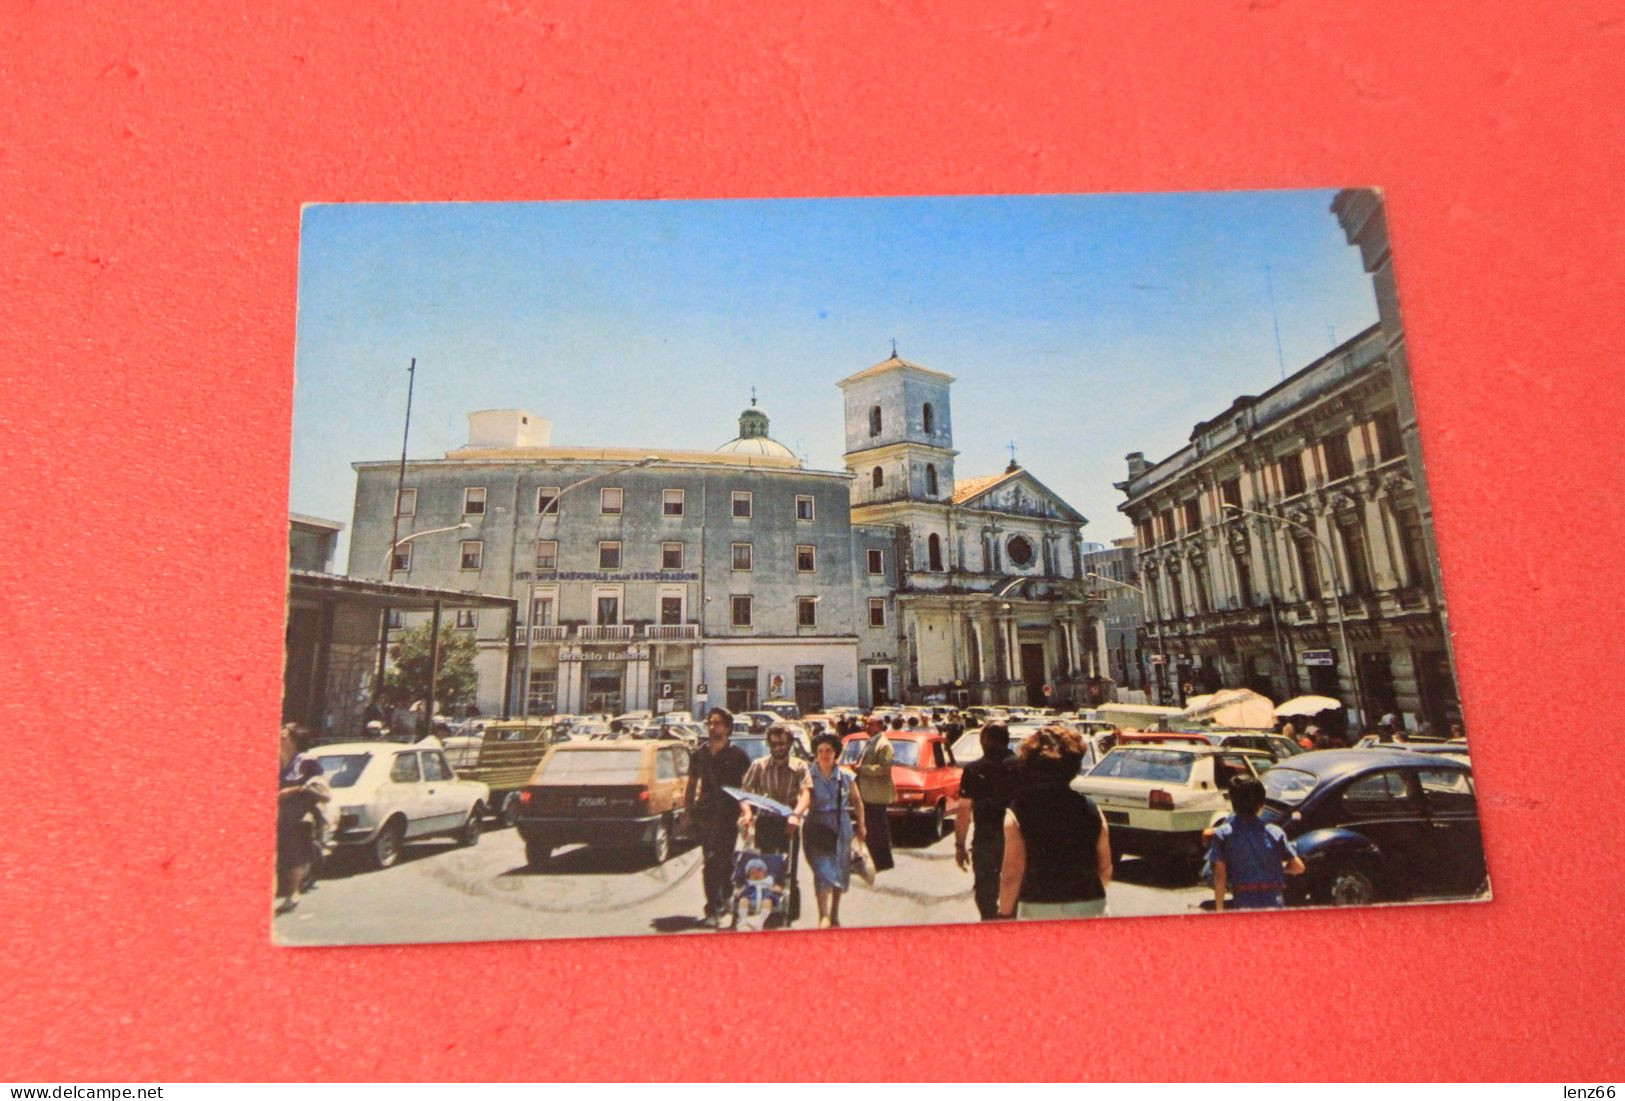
(1306, 706)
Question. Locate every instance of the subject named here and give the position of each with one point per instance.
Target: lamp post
(1337, 599)
(383, 630)
(552, 509)
(389, 555)
(1145, 603)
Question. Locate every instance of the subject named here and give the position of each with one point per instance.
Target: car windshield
(853, 750)
(1289, 786)
(755, 748)
(597, 766)
(342, 770)
(906, 754)
(1163, 765)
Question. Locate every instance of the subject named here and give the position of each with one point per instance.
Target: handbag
(863, 862)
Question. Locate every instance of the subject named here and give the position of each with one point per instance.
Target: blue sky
(1082, 327)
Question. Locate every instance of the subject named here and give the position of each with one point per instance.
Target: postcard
(679, 567)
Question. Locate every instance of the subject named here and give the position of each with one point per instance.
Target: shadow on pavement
(345, 863)
(677, 924)
(597, 860)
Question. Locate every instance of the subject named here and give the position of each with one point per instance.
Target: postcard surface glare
(786, 565)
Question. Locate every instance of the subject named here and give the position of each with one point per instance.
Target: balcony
(685, 632)
(546, 634)
(615, 632)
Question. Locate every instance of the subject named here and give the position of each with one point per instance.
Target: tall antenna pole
(1280, 360)
(400, 480)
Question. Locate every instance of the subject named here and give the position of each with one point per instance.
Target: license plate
(593, 801)
(1117, 818)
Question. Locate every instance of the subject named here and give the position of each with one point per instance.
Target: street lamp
(1145, 604)
(552, 509)
(1337, 598)
(389, 555)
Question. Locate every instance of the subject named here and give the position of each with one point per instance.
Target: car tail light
(643, 795)
(1159, 800)
(524, 798)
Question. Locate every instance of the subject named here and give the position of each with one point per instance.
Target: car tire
(659, 848)
(469, 835)
(386, 847)
(1349, 887)
(509, 815)
(939, 821)
(537, 854)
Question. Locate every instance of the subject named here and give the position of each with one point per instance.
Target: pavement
(439, 892)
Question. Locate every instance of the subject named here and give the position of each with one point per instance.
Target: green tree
(408, 680)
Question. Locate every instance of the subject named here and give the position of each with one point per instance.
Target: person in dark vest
(985, 790)
(714, 766)
(1057, 853)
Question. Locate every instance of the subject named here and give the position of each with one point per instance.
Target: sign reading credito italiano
(602, 575)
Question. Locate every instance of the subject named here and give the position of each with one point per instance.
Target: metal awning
(369, 593)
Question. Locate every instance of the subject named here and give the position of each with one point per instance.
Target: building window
(547, 500)
(877, 611)
(1178, 591)
(473, 554)
(1355, 553)
(466, 620)
(1199, 581)
(395, 620)
(1339, 463)
(740, 606)
(401, 560)
(671, 502)
(741, 504)
(541, 611)
(474, 501)
(406, 503)
(1292, 482)
(671, 611)
(544, 688)
(1020, 549)
(607, 609)
(877, 562)
(1244, 580)
(930, 477)
(874, 420)
(741, 688)
(1146, 533)
(804, 508)
(547, 554)
(741, 556)
(933, 553)
(806, 611)
(609, 556)
(1390, 445)
(1193, 514)
(1308, 568)
(611, 501)
(878, 478)
(1413, 548)
(928, 419)
(806, 559)
(1166, 519)
(1230, 492)
(671, 556)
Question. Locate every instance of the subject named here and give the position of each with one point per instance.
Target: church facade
(991, 603)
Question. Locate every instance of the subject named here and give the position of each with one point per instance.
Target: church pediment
(1015, 493)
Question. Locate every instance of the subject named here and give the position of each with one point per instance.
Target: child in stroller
(759, 888)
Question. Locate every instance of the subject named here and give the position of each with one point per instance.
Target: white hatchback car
(1158, 798)
(387, 794)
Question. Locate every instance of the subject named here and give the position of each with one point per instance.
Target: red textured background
(151, 172)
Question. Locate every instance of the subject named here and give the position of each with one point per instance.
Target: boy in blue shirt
(1252, 859)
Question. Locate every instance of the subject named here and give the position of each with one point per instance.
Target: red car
(924, 770)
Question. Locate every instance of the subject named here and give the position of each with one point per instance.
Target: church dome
(753, 438)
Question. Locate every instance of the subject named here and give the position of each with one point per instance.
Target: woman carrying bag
(824, 814)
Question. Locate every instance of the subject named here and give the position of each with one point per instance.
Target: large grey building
(648, 578)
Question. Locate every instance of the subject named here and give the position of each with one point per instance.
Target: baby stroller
(763, 882)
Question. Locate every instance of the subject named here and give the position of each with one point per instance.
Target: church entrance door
(1032, 672)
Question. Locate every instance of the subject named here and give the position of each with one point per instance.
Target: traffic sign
(1318, 657)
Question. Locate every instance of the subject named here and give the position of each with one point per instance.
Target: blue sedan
(1378, 825)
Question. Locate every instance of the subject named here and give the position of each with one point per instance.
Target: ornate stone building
(1290, 523)
(990, 604)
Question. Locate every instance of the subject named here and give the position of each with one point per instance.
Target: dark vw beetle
(1377, 824)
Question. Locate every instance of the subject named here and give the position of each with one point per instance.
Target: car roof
(363, 747)
(1204, 750)
(618, 743)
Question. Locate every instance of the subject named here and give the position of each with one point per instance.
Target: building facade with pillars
(990, 606)
(1121, 619)
(646, 578)
(1331, 546)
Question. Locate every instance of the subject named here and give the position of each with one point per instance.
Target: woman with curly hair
(829, 814)
(1057, 855)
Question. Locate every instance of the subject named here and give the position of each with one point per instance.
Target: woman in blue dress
(829, 814)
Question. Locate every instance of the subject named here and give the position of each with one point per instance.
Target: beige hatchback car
(628, 793)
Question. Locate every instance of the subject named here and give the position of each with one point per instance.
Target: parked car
(1378, 824)
(968, 747)
(622, 793)
(1158, 797)
(390, 794)
(924, 771)
(505, 757)
(1277, 746)
(755, 746)
(784, 709)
